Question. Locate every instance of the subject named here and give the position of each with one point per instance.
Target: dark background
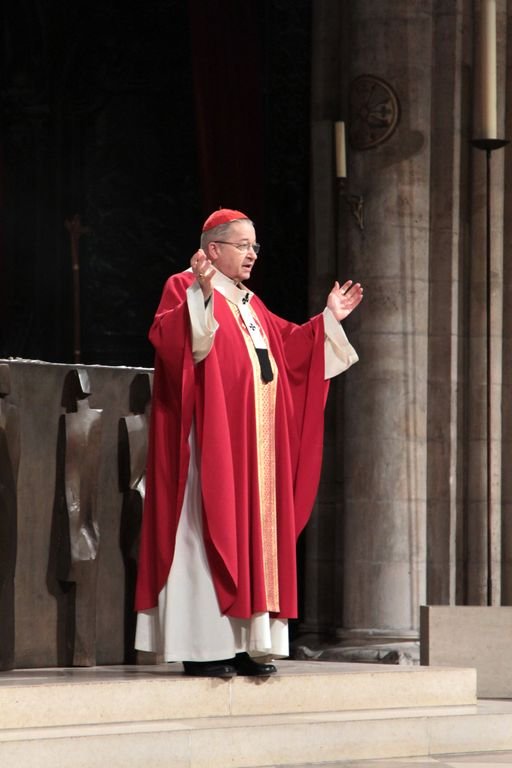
(143, 117)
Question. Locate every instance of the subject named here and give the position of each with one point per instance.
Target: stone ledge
(470, 636)
(161, 692)
(249, 742)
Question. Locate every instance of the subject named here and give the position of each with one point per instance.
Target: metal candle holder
(488, 146)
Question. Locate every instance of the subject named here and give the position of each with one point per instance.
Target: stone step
(64, 697)
(262, 741)
(311, 712)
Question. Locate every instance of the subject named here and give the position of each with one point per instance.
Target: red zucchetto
(222, 216)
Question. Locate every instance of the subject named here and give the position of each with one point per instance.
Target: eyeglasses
(242, 247)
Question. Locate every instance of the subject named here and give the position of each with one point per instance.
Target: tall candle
(488, 72)
(341, 154)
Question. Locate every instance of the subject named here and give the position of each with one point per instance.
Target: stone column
(385, 419)
(448, 303)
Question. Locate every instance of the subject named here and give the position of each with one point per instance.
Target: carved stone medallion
(374, 112)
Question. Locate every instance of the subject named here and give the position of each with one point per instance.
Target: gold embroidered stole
(265, 406)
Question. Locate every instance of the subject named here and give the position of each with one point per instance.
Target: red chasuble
(218, 394)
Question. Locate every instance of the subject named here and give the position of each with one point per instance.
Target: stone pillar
(402, 509)
(385, 419)
(448, 303)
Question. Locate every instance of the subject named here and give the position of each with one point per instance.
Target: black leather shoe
(245, 665)
(209, 669)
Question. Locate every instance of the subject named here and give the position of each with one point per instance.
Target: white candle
(341, 155)
(488, 72)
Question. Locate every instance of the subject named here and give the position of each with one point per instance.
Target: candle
(488, 72)
(341, 157)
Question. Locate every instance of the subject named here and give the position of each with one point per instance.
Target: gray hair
(217, 233)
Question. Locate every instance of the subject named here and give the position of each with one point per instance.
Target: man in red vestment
(234, 458)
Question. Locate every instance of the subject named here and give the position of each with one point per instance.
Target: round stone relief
(374, 112)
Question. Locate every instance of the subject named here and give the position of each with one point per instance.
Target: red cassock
(218, 396)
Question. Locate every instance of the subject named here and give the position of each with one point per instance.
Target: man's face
(230, 260)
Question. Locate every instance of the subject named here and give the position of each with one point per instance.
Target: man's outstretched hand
(344, 298)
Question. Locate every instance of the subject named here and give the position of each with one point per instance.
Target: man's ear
(211, 252)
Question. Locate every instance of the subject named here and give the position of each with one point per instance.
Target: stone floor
(480, 760)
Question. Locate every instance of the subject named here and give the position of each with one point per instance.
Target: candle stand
(488, 146)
